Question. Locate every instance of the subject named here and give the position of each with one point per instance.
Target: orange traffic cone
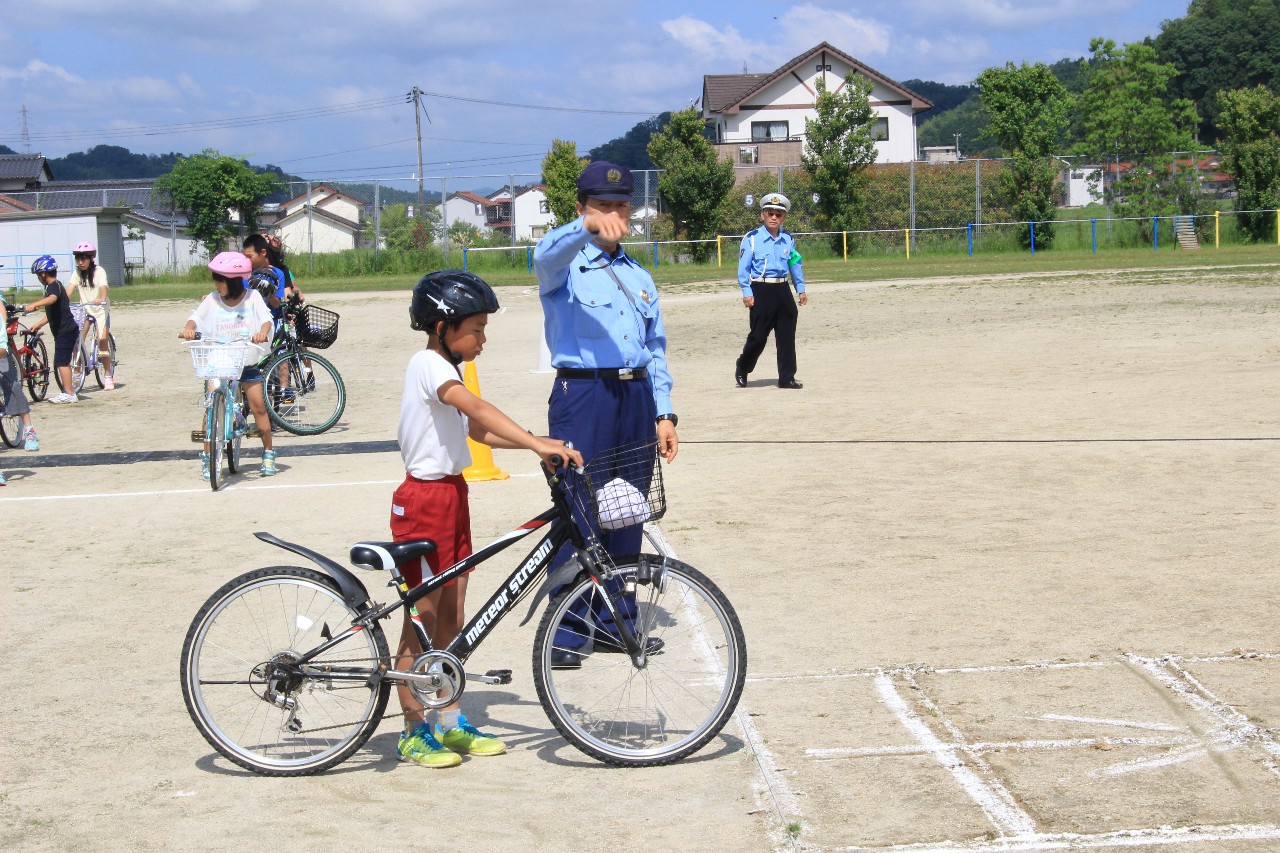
(482, 467)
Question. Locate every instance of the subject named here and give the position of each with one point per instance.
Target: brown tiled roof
(470, 196)
(8, 204)
(732, 89)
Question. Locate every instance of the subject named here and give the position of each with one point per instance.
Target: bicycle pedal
(197, 435)
(493, 676)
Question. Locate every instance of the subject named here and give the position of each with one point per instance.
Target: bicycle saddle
(385, 555)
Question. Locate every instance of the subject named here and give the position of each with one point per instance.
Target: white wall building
(331, 223)
(533, 216)
(465, 206)
(759, 119)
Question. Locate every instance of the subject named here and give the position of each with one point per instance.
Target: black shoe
(652, 646)
(740, 378)
(566, 659)
(790, 383)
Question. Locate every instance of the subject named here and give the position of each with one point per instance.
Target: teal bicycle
(226, 420)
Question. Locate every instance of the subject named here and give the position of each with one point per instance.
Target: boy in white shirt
(437, 415)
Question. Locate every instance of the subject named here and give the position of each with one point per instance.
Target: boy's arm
(489, 425)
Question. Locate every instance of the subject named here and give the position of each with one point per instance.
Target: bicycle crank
(436, 678)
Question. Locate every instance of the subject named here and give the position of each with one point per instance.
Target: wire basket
(78, 313)
(623, 487)
(221, 360)
(317, 327)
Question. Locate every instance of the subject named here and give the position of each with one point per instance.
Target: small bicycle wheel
(248, 701)
(641, 716)
(302, 402)
(79, 362)
(215, 431)
(35, 367)
(10, 425)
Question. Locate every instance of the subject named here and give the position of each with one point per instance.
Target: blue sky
(317, 86)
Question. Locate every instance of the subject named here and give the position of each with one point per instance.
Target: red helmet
(231, 265)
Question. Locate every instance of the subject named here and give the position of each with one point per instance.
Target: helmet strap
(443, 348)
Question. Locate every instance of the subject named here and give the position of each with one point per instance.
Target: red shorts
(435, 510)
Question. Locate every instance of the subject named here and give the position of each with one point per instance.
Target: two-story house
(532, 214)
(324, 220)
(759, 119)
(465, 206)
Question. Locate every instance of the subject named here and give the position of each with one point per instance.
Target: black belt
(623, 373)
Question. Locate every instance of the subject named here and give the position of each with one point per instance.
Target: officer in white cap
(768, 264)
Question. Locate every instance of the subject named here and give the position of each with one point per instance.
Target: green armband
(795, 258)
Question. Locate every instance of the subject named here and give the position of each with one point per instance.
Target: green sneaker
(466, 738)
(421, 748)
(268, 468)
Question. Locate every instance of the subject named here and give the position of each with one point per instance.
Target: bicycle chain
(347, 725)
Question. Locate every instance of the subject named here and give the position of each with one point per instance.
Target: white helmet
(777, 201)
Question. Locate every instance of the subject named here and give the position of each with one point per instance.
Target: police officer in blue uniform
(767, 258)
(608, 345)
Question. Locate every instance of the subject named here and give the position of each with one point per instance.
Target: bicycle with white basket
(226, 414)
(87, 358)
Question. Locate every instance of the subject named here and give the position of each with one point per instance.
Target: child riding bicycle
(91, 282)
(57, 313)
(437, 415)
(233, 311)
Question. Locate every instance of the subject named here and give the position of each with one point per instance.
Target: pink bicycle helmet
(85, 249)
(231, 265)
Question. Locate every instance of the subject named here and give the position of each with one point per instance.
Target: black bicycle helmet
(449, 295)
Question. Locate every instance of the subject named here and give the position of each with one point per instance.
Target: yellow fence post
(718, 260)
(907, 232)
(482, 467)
(1217, 227)
(844, 235)
(1278, 226)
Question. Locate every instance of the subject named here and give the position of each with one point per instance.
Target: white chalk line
(772, 788)
(1163, 836)
(234, 487)
(982, 747)
(994, 800)
(920, 668)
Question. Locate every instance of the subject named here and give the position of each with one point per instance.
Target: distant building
(532, 213)
(321, 221)
(759, 119)
(19, 172)
(465, 206)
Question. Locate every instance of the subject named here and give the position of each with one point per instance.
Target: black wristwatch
(669, 416)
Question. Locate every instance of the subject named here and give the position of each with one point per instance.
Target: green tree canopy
(404, 234)
(1250, 123)
(1130, 119)
(693, 182)
(560, 170)
(1028, 109)
(632, 148)
(1221, 45)
(209, 187)
(839, 146)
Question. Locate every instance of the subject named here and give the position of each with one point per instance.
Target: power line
(538, 106)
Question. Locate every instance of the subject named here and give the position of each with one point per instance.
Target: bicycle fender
(554, 580)
(353, 591)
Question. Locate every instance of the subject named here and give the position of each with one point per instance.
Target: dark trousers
(774, 311)
(596, 415)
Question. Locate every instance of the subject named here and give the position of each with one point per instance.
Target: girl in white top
(91, 281)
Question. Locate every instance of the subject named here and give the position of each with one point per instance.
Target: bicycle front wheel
(35, 366)
(215, 431)
(10, 425)
(247, 699)
(641, 716)
(301, 401)
(79, 362)
(101, 372)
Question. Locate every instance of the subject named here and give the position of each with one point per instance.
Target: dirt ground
(1006, 566)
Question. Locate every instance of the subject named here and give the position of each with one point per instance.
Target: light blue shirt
(589, 321)
(764, 256)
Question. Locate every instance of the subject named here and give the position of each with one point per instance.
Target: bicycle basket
(218, 360)
(78, 314)
(317, 327)
(623, 487)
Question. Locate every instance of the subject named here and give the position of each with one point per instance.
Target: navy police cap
(605, 181)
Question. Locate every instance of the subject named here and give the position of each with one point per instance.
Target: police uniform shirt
(589, 322)
(764, 256)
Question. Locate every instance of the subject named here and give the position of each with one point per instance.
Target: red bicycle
(31, 354)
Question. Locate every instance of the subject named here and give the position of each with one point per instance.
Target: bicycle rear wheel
(302, 403)
(245, 698)
(671, 707)
(35, 366)
(10, 425)
(215, 431)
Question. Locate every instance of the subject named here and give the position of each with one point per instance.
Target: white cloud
(710, 43)
(36, 69)
(805, 25)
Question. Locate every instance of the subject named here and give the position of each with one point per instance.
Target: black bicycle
(286, 670)
(304, 392)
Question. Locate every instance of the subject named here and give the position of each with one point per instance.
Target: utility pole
(416, 96)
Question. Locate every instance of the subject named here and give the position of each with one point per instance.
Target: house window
(543, 207)
(749, 154)
(880, 133)
(820, 67)
(768, 131)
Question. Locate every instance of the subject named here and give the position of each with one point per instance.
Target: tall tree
(1129, 119)
(1028, 108)
(839, 146)
(1218, 46)
(208, 187)
(693, 182)
(1250, 123)
(560, 170)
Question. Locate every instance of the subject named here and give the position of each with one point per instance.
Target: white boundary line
(235, 487)
(1075, 841)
